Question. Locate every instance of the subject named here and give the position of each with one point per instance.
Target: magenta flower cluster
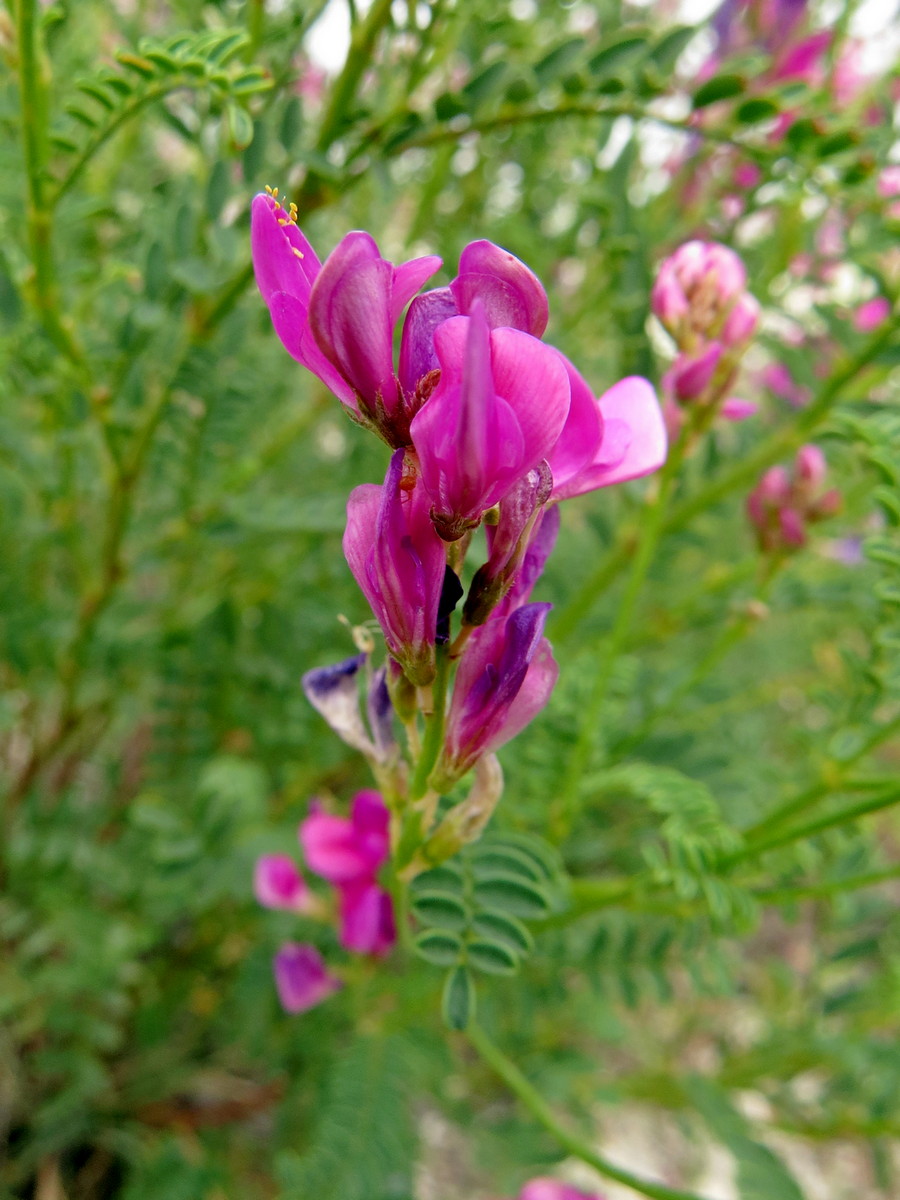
(700, 296)
(348, 854)
(488, 426)
(784, 503)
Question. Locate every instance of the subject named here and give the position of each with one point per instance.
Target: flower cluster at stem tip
(785, 503)
(700, 297)
(488, 425)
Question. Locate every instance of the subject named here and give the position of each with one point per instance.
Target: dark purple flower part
(301, 977)
(398, 561)
(508, 543)
(380, 712)
(505, 678)
(540, 546)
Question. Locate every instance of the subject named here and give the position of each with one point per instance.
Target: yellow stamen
(299, 253)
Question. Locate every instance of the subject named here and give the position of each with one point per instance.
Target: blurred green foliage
(173, 490)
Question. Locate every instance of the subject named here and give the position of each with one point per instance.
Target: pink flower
(552, 1189)
(498, 409)
(345, 850)
(355, 302)
(872, 314)
(277, 883)
(399, 563)
(696, 288)
(783, 504)
(301, 978)
(349, 854)
(337, 319)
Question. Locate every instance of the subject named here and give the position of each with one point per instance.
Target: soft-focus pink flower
(349, 853)
(871, 314)
(696, 288)
(552, 1189)
(399, 563)
(690, 376)
(498, 409)
(736, 409)
(783, 504)
(889, 182)
(277, 883)
(346, 850)
(302, 978)
(779, 380)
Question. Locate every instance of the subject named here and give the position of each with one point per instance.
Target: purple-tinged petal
(350, 316)
(691, 375)
(634, 438)
(508, 543)
(334, 693)
(512, 295)
(418, 356)
(301, 978)
(367, 918)
(534, 381)
(277, 883)
(371, 826)
(408, 278)
(398, 560)
(291, 322)
(496, 692)
(380, 712)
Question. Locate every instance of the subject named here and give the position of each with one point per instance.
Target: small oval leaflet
(441, 910)
(458, 1001)
(438, 947)
(499, 927)
(494, 958)
(512, 895)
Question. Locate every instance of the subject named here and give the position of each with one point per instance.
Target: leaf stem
(434, 728)
(534, 1102)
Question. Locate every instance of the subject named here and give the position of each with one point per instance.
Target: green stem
(741, 473)
(534, 1102)
(811, 891)
(362, 43)
(39, 213)
(434, 728)
(728, 638)
(832, 778)
(509, 117)
(813, 828)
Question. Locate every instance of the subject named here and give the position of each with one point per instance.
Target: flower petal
(301, 977)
